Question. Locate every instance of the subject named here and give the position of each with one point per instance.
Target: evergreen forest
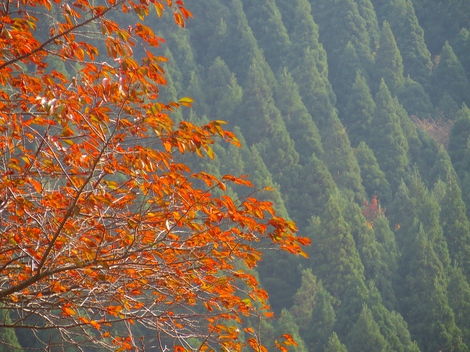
(356, 113)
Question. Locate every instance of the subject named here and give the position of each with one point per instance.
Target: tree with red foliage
(372, 210)
(101, 226)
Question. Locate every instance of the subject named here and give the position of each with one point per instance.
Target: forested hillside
(355, 111)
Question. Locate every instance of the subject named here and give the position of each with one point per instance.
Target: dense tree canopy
(102, 226)
(352, 112)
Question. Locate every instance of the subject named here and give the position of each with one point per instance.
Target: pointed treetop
(388, 60)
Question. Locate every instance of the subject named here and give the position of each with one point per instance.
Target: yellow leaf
(158, 9)
(186, 101)
(210, 152)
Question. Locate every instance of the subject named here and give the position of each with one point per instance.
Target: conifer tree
(315, 89)
(323, 320)
(308, 63)
(287, 11)
(388, 61)
(414, 98)
(386, 244)
(310, 188)
(422, 148)
(183, 60)
(173, 76)
(305, 300)
(387, 139)
(334, 344)
(449, 77)
(367, 12)
(459, 151)
(423, 300)
(410, 40)
(340, 23)
(280, 277)
(373, 178)
(461, 46)
(263, 126)
(426, 211)
(210, 29)
(222, 92)
(278, 273)
(459, 142)
(362, 230)
(195, 89)
(365, 335)
(441, 20)
(442, 168)
(359, 111)
(454, 221)
(266, 23)
(287, 324)
(459, 300)
(392, 325)
(416, 57)
(230, 22)
(333, 247)
(349, 66)
(401, 214)
(304, 34)
(259, 118)
(299, 122)
(171, 90)
(444, 332)
(261, 177)
(340, 160)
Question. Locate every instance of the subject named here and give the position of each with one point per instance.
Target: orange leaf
(67, 311)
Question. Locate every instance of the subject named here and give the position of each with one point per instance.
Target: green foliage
(333, 246)
(410, 40)
(373, 177)
(307, 61)
(459, 151)
(414, 98)
(459, 142)
(334, 345)
(375, 267)
(392, 325)
(340, 23)
(265, 20)
(461, 46)
(387, 138)
(287, 325)
(441, 20)
(359, 111)
(367, 12)
(454, 221)
(424, 304)
(305, 300)
(345, 78)
(8, 339)
(222, 91)
(323, 321)
(365, 335)
(459, 301)
(340, 160)
(449, 77)
(310, 188)
(388, 60)
(299, 122)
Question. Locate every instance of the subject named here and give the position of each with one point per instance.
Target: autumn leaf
(104, 225)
